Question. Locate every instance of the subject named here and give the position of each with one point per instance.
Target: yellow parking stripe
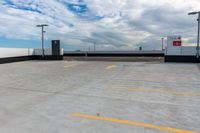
(110, 67)
(146, 125)
(158, 91)
(70, 65)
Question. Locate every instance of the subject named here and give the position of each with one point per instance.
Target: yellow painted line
(158, 91)
(70, 65)
(146, 125)
(110, 67)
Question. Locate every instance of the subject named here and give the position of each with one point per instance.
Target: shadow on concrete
(198, 66)
(116, 59)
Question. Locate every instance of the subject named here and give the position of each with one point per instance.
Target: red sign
(176, 43)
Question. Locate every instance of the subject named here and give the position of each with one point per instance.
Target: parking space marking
(110, 67)
(157, 91)
(146, 125)
(70, 65)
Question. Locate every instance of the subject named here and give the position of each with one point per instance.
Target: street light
(198, 40)
(42, 26)
(94, 46)
(162, 43)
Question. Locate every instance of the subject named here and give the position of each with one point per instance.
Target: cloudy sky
(110, 24)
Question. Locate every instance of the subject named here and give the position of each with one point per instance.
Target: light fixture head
(42, 25)
(192, 13)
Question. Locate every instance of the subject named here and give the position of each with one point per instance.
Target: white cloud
(122, 24)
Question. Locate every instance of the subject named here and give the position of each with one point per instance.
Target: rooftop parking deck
(99, 97)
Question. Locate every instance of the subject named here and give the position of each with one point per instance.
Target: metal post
(94, 46)
(42, 42)
(198, 35)
(89, 48)
(42, 27)
(162, 44)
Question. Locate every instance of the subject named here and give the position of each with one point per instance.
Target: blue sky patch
(22, 7)
(81, 10)
(78, 9)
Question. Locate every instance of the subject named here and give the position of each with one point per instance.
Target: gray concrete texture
(41, 96)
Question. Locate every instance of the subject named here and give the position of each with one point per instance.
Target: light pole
(89, 48)
(94, 46)
(42, 27)
(194, 13)
(162, 43)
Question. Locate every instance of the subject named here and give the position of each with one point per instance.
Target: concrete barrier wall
(9, 55)
(116, 53)
(39, 52)
(182, 51)
(20, 52)
(15, 52)
(188, 50)
(46, 52)
(184, 54)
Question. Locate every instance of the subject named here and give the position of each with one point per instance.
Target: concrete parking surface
(99, 97)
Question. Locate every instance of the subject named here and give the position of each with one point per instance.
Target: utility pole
(94, 46)
(162, 43)
(42, 27)
(89, 48)
(198, 33)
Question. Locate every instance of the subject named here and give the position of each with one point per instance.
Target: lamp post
(42, 27)
(94, 46)
(162, 43)
(194, 13)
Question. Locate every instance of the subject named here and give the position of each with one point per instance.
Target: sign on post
(177, 41)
